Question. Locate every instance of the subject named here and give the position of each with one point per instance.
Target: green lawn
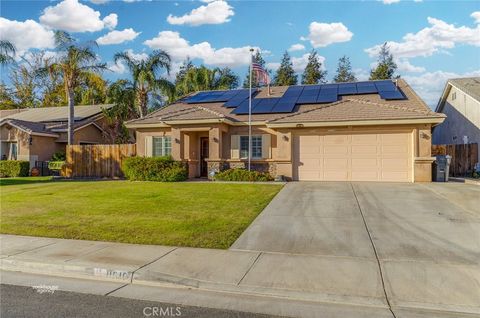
(183, 214)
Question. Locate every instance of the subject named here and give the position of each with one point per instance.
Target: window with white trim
(162, 146)
(256, 147)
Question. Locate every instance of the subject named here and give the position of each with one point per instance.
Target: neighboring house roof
(29, 127)
(368, 107)
(48, 121)
(51, 114)
(468, 85)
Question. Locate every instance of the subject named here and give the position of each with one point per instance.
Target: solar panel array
(296, 95)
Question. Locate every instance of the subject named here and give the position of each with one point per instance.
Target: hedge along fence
(14, 168)
(96, 161)
(163, 169)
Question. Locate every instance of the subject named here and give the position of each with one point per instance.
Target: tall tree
(344, 71)
(313, 73)
(74, 61)
(257, 58)
(7, 52)
(122, 94)
(386, 65)
(146, 77)
(6, 97)
(25, 85)
(93, 90)
(285, 74)
(202, 78)
(184, 68)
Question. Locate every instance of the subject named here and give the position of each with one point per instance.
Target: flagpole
(250, 114)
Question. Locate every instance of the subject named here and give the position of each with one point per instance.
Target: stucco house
(460, 101)
(35, 134)
(366, 131)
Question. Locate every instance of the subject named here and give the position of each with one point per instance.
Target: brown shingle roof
(29, 127)
(349, 107)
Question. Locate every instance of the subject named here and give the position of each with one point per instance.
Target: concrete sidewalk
(349, 285)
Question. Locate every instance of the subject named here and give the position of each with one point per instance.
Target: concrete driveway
(418, 244)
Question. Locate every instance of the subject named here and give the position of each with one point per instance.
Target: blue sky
(431, 40)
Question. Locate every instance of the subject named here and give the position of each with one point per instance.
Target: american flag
(261, 74)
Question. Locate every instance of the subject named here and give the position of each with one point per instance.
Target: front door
(203, 156)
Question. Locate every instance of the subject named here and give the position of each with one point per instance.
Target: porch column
(177, 144)
(215, 143)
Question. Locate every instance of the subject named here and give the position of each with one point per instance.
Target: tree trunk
(71, 116)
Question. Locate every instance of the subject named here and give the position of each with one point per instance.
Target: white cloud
(324, 34)
(72, 16)
(361, 74)
(435, 38)
(405, 66)
(26, 35)
(389, 1)
(99, 1)
(430, 85)
(476, 16)
(117, 37)
(297, 47)
(215, 12)
(137, 56)
(117, 68)
(179, 49)
(272, 66)
(299, 63)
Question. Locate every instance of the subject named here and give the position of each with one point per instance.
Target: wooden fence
(96, 161)
(464, 157)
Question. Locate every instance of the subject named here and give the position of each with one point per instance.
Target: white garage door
(354, 157)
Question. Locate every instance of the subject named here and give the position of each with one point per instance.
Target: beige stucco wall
(12, 134)
(185, 143)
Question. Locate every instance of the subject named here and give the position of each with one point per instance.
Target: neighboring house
(316, 132)
(460, 101)
(35, 134)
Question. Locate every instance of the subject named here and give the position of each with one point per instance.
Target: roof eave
(300, 124)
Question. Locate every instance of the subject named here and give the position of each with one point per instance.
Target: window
(256, 147)
(162, 146)
(13, 151)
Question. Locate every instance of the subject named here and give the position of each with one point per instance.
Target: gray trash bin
(441, 168)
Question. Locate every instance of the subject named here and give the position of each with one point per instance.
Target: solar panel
(327, 98)
(283, 107)
(265, 105)
(347, 89)
(238, 98)
(391, 95)
(242, 108)
(366, 88)
(309, 94)
(385, 86)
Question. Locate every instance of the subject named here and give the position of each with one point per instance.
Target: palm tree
(145, 76)
(202, 79)
(74, 62)
(7, 51)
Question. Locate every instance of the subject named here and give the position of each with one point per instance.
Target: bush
(163, 169)
(59, 156)
(14, 168)
(239, 174)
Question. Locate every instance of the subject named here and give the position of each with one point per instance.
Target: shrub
(240, 174)
(14, 168)
(163, 169)
(59, 156)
